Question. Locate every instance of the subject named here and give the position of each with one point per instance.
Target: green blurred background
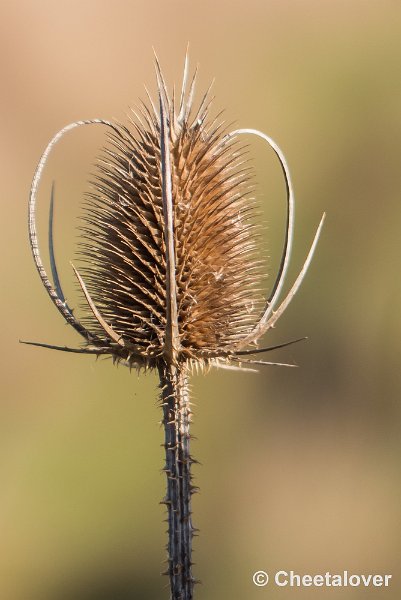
(300, 467)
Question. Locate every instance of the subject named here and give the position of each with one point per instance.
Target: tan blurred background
(300, 467)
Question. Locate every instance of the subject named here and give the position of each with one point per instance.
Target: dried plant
(173, 271)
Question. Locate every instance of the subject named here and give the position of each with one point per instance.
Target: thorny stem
(176, 420)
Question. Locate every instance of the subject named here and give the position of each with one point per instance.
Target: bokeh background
(300, 467)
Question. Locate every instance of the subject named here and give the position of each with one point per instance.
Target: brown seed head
(217, 271)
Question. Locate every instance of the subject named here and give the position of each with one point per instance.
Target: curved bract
(55, 291)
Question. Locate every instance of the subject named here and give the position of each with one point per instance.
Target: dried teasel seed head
(171, 260)
(217, 274)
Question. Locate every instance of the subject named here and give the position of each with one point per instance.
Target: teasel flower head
(171, 242)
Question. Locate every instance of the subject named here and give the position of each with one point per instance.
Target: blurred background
(300, 467)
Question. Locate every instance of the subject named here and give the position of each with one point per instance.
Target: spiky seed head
(213, 228)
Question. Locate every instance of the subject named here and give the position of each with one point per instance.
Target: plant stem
(176, 420)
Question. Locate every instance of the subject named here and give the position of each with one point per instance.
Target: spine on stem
(176, 421)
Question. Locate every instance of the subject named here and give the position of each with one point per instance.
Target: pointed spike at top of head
(191, 93)
(161, 82)
(203, 107)
(152, 104)
(181, 111)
